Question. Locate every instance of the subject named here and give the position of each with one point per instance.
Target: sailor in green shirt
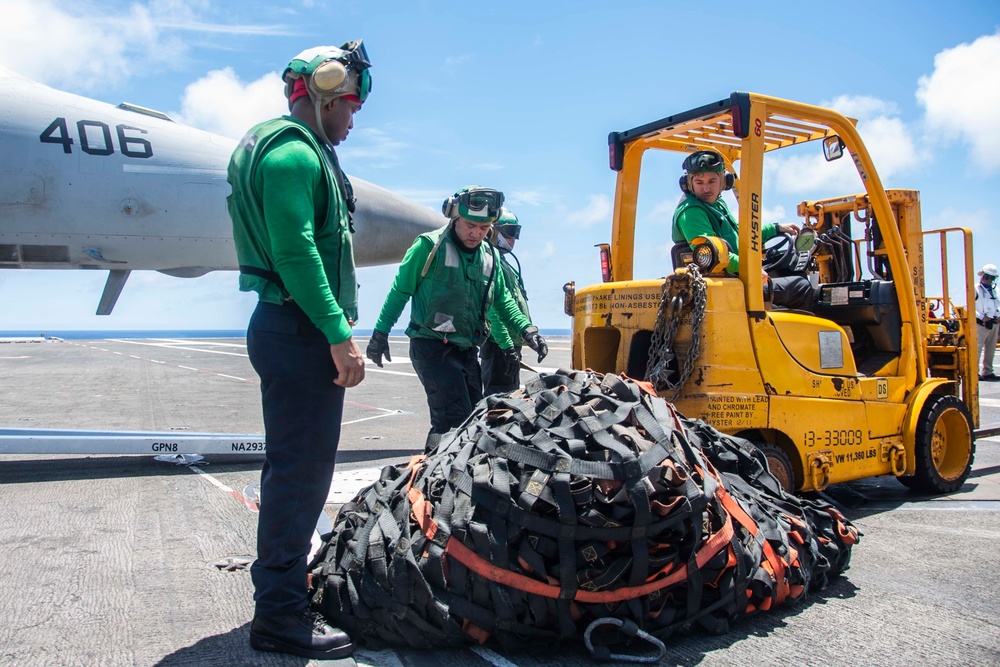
(291, 211)
(453, 279)
(703, 212)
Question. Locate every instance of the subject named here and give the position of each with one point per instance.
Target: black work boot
(303, 633)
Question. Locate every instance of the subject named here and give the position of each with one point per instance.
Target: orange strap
(421, 511)
(777, 563)
(848, 534)
(487, 570)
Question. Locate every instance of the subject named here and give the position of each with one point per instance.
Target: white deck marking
(384, 658)
(188, 368)
(375, 369)
(347, 483)
(491, 657)
(194, 341)
(365, 419)
(990, 402)
(185, 347)
(937, 506)
(231, 377)
(211, 479)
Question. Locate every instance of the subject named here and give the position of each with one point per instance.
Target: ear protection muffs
(449, 207)
(331, 76)
(327, 77)
(727, 182)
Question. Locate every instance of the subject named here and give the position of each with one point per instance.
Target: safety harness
(581, 503)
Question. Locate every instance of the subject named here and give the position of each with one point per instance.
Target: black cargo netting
(578, 498)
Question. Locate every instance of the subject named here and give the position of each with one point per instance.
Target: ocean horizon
(101, 334)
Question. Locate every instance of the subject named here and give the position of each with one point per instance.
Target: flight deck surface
(111, 559)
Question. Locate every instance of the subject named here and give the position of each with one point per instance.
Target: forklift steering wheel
(781, 253)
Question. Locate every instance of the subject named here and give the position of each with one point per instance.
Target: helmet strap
(318, 103)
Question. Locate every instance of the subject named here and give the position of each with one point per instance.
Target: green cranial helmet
(331, 72)
(507, 224)
(704, 161)
(474, 203)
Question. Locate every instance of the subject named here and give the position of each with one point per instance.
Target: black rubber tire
(943, 446)
(780, 465)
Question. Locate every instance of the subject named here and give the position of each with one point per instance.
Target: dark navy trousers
(302, 414)
(451, 378)
(497, 378)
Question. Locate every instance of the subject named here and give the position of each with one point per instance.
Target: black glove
(511, 362)
(535, 341)
(378, 347)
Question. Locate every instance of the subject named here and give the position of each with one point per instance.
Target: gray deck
(108, 560)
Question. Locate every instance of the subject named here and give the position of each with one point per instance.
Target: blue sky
(521, 96)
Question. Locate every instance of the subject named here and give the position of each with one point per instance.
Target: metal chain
(683, 288)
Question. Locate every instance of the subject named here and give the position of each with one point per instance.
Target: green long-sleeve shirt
(694, 218)
(408, 284)
(506, 338)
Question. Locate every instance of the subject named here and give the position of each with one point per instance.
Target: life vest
(332, 235)
(455, 294)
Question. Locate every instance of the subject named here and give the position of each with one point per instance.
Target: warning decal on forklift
(619, 300)
(729, 411)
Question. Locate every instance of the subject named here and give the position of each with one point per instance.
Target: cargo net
(578, 501)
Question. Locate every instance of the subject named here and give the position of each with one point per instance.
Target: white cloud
(372, 146)
(799, 174)
(430, 198)
(83, 45)
(981, 221)
(888, 139)
(219, 102)
(77, 51)
(891, 145)
(962, 95)
(597, 210)
(776, 214)
(861, 106)
(664, 209)
(529, 197)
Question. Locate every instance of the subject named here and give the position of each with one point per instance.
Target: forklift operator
(704, 213)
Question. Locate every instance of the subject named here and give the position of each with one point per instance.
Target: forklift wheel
(943, 447)
(779, 464)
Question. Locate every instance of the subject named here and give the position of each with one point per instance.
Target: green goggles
(703, 161)
(356, 54)
(482, 205)
(364, 84)
(510, 231)
(355, 57)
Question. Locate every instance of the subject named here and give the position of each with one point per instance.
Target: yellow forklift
(878, 378)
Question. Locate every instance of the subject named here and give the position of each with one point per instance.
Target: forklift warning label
(729, 411)
(619, 301)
